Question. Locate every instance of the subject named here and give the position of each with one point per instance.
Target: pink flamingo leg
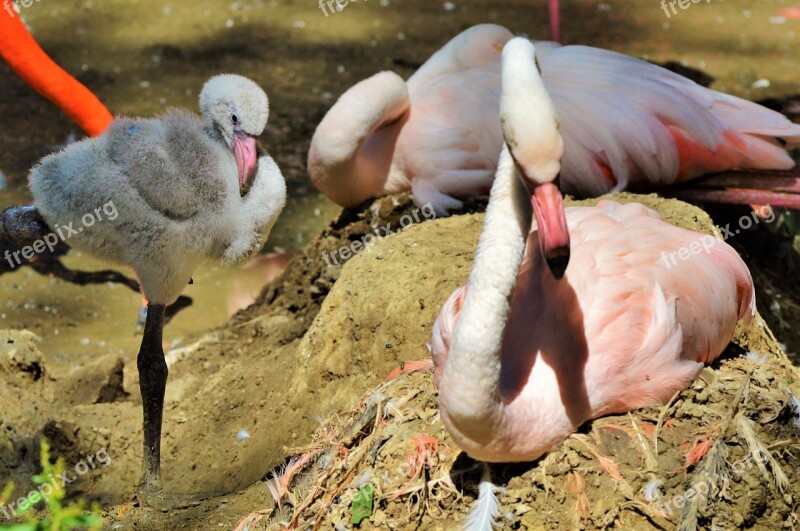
(555, 23)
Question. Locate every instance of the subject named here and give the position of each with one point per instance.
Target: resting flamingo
(523, 359)
(437, 134)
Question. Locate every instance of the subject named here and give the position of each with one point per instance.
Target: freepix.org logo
(9, 6)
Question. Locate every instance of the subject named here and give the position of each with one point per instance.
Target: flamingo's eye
(235, 119)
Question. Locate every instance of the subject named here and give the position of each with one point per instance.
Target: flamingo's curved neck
(351, 153)
(471, 377)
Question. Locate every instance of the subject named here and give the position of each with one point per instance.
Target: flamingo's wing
(706, 276)
(656, 303)
(626, 121)
(449, 146)
(172, 148)
(476, 47)
(443, 331)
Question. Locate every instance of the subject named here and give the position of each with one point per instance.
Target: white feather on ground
(795, 403)
(652, 490)
(487, 509)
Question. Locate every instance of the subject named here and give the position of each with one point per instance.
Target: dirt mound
(723, 453)
(296, 375)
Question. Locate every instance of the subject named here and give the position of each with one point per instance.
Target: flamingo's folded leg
(737, 196)
(22, 225)
(774, 188)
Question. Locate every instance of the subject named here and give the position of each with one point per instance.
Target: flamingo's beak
(245, 151)
(548, 205)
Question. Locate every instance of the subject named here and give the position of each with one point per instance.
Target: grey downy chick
(173, 191)
(183, 188)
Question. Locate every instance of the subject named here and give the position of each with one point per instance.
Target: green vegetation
(57, 517)
(361, 507)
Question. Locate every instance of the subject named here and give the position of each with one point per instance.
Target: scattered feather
(795, 405)
(364, 478)
(248, 522)
(575, 484)
(423, 454)
(698, 450)
(487, 509)
(652, 490)
(281, 478)
(761, 455)
(607, 463)
(409, 366)
(754, 356)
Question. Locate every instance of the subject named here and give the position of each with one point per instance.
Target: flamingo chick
(523, 359)
(430, 134)
(186, 189)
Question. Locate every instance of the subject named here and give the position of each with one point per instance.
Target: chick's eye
(235, 119)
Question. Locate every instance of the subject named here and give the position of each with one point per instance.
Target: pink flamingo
(523, 359)
(437, 133)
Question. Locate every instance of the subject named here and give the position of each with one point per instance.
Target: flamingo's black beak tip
(558, 262)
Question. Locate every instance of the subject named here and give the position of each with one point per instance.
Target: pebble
(242, 436)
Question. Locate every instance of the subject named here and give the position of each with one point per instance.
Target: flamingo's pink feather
(649, 125)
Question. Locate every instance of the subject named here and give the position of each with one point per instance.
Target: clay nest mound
(305, 376)
(723, 453)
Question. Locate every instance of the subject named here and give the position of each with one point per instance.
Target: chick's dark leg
(152, 383)
(153, 374)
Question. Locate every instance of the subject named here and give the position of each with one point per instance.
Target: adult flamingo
(626, 124)
(25, 57)
(523, 359)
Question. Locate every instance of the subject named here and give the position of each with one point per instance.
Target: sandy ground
(296, 369)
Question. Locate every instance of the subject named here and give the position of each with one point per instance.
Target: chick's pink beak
(244, 149)
(548, 205)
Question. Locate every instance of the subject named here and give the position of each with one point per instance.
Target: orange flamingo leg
(25, 57)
